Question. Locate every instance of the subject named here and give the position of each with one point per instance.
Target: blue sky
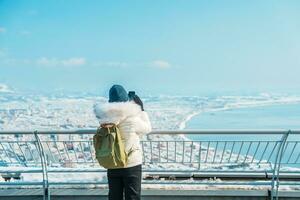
(154, 47)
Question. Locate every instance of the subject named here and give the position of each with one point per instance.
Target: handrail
(278, 150)
(225, 131)
(165, 132)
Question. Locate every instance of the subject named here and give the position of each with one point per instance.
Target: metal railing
(264, 153)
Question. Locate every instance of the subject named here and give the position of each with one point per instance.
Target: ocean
(284, 116)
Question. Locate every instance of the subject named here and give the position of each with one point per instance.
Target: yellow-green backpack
(109, 148)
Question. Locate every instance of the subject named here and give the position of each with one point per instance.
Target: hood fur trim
(116, 112)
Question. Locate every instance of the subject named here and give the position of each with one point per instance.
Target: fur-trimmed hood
(116, 112)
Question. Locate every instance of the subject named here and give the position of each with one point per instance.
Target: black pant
(125, 180)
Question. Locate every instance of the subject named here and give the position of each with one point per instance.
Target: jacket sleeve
(143, 125)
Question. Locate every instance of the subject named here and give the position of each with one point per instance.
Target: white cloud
(52, 62)
(5, 88)
(162, 64)
(13, 61)
(80, 61)
(112, 64)
(2, 30)
(47, 61)
(74, 62)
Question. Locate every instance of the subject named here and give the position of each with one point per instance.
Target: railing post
(46, 192)
(199, 158)
(276, 170)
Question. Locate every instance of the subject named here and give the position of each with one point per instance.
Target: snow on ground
(33, 112)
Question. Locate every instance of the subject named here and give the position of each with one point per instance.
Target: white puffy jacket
(132, 122)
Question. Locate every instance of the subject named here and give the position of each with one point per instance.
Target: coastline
(184, 124)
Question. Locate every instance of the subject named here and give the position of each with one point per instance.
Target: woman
(132, 122)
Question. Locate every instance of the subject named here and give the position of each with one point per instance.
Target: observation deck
(211, 164)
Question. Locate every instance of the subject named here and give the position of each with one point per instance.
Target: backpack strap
(107, 125)
(130, 151)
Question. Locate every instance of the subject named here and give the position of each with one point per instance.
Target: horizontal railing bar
(21, 183)
(227, 176)
(186, 162)
(210, 163)
(195, 182)
(205, 172)
(289, 182)
(226, 131)
(145, 141)
(208, 171)
(18, 163)
(155, 171)
(21, 142)
(81, 131)
(77, 183)
(21, 171)
(75, 170)
(167, 132)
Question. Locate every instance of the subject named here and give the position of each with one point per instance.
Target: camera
(131, 95)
